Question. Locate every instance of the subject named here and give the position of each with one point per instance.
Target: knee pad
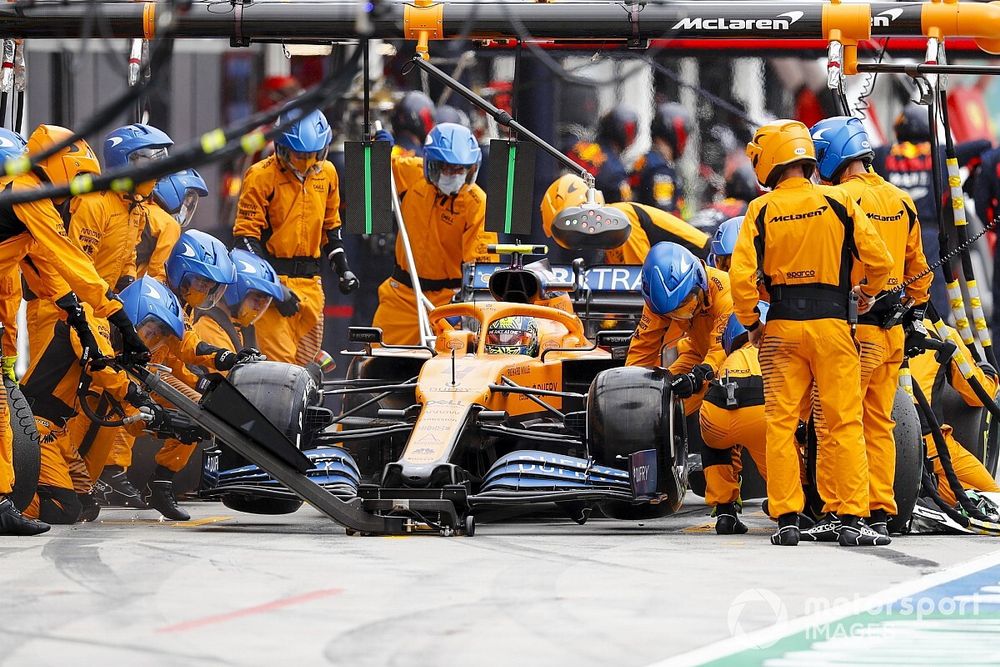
(57, 505)
(716, 457)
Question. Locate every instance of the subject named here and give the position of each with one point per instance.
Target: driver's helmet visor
(154, 332)
(252, 307)
(188, 207)
(142, 156)
(689, 306)
(509, 341)
(201, 293)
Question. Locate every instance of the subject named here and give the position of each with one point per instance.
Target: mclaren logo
(883, 19)
(799, 216)
(779, 22)
(886, 218)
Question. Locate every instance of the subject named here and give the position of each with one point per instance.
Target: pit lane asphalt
(238, 589)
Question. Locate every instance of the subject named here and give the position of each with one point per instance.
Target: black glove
(138, 398)
(702, 373)
(226, 360)
(348, 282)
(249, 354)
(133, 349)
(185, 430)
(289, 305)
(77, 320)
(682, 386)
(250, 244)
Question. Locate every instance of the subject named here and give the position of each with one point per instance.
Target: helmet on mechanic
(618, 127)
(12, 144)
(178, 194)
(672, 124)
(303, 145)
(735, 334)
(912, 124)
(451, 158)
(517, 334)
(66, 164)
(450, 114)
(414, 113)
(199, 269)
(778, 145)
(723, 243)
(154, 310)
(674, 281)
(136, 145)
(256, 286)
(838, 141)
(567, 191)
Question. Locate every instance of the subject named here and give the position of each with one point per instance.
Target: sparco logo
(801, 274)
(779, 22)
(799, 216)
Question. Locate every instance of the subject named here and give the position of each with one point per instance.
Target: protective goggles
(188, 206)
(153, 332)
(252, 307)
(689, 307)
(201, 293)
(145, 155)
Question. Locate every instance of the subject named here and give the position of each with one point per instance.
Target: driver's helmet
(512, 335)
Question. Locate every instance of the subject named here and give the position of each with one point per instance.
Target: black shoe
(114, 489)
(90, 508)
(879, 522)
(12, 522)
(826, 529)
(159, 495)
(856, 533)
(788, 531)
(727, 521)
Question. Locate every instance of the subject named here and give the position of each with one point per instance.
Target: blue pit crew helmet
(303, 145)
(178, 194)
(724, 241)
(673, 280)
(735, 334)
(451, 157)
(154, 310)
(135, 144)
(256, 286)
(199, 269)
(12, 144)
(838, 140)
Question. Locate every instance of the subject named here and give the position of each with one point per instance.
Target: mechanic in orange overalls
(844, 154)
(445, 215)
(289, 214)
(797, 241)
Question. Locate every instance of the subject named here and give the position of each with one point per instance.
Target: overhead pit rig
(838, 26)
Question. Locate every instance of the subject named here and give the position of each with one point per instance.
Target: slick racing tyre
(909, 460)
(27, 452)
(260, 504)
(627, 412)
(974, 428)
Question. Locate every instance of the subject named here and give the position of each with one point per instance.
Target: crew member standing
(289, 214)
(843, 154)
(801, 240)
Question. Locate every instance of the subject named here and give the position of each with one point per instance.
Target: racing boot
(856, 533)
(12, 522)
(788, 531)
(159, 495)
(114, 489)
(727, 520)
(826, 529)
(91, 508)
(879, 522)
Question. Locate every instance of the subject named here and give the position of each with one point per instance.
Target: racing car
(438, 432)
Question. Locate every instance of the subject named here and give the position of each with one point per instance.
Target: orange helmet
(64, 166)
(779, 144)
(566, 191)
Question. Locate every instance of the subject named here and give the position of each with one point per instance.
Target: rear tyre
(909, 461)
(27, 451)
